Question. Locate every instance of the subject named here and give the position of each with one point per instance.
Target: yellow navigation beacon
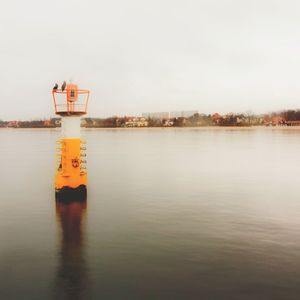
(70, 104)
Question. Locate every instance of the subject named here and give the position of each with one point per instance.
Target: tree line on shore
(197, 120)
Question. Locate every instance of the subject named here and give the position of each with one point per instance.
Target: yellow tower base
(71, 176)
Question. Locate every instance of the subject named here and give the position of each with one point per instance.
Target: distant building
(277, 120)
(216, 118)
(13, 124)
(83, 123)
(170, 115)
(136, 122)
(47, 123)
(292, 123)
(57, 122)
(157, 115)
(168, 123)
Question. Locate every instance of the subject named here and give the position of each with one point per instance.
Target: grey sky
(136, 56)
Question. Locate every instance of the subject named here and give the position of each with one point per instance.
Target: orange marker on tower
(71, 177)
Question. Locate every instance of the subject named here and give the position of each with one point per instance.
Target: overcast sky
(160, 55)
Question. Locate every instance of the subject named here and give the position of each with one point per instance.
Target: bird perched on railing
(63, 86)
(55, 87)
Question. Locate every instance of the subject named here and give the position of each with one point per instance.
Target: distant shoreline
(158, 128)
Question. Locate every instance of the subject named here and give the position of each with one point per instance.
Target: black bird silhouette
(63, 86)
(55, 87)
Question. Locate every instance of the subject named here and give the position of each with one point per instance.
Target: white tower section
(70, 127)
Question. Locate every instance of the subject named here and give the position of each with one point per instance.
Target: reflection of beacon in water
(70, 104)
(71, 280)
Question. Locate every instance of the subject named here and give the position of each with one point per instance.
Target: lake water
(171, 214)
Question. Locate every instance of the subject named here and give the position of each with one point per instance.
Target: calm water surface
(170, 214)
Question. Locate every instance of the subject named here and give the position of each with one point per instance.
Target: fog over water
(138, 56)
(171, 214)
